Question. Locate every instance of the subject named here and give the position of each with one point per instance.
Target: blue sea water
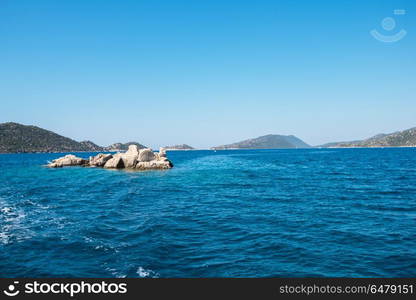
(247, 213)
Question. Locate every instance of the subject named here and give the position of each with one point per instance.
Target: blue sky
(207, 72)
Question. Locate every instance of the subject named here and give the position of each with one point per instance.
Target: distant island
(271, 141)
(133, 159)
(89, 146)
(122, 146)
(179, 147)
(405, 138)
(18, 138)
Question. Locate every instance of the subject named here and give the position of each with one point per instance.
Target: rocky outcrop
(154, 164)
(146, 155)
(99, 160)
(133, 158)
(116, 162)
(68, 160)
(129, 158)
(162, 152)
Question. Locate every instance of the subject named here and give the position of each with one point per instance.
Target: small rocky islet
(133, 159)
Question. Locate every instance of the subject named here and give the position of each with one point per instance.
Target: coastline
(228, 149)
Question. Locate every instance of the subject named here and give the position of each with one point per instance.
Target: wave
(12, 223)
(146, 273)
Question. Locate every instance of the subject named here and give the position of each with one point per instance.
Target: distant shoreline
(18, 138)
(230, 149)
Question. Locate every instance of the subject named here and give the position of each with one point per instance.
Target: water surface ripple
(248, 213)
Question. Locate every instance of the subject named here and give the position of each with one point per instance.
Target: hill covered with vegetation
(15, 138)
(18, 138)
(405, 138)
(179, 147)
(271, 141)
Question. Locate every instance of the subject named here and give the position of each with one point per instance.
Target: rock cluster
(133, 158)
(67, 160)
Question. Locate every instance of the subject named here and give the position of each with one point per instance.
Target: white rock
(100, 159)
(133, 158)
(115, 163)
(146, 155)
(130, 157)
(162, 152)
(154, 164)
(67, 160)
(133, 150)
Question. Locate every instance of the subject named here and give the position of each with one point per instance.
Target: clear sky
(207, 72)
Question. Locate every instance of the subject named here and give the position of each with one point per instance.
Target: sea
(233, 213)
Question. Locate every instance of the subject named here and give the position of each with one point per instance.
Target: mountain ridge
(179, 147)
(15, 138)
(122, 146)
(269, 141)
(19, 138)
(403, 138)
